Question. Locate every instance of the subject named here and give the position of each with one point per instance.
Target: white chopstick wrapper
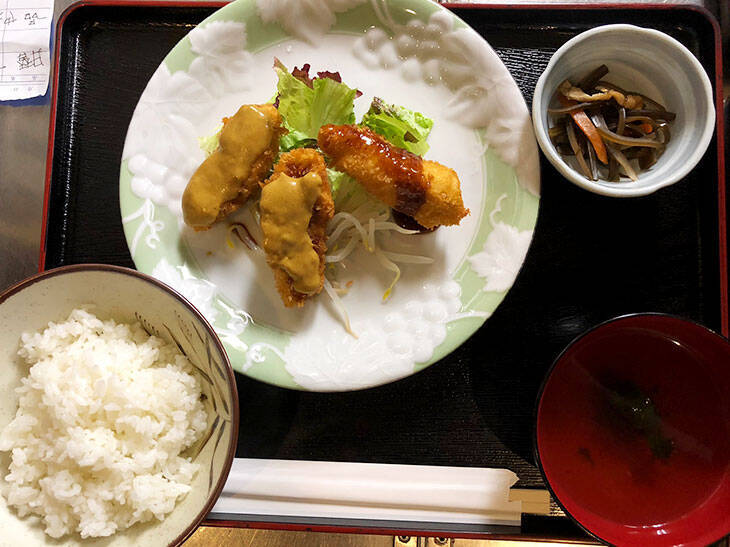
(466, 495)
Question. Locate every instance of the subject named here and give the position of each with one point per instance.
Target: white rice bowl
(104, 414)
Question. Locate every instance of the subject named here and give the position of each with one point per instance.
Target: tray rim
(613, 6)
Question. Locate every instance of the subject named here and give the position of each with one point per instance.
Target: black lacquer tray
(592, 257)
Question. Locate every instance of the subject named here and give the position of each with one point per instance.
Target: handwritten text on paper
(25, 27)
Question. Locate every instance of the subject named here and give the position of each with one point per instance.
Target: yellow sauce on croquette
(218, 180)
(286, 209)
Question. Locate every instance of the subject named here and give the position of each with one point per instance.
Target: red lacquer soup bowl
(633, 432)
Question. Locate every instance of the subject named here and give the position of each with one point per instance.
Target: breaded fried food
(425, 190)
(249, 142)
(296, 205)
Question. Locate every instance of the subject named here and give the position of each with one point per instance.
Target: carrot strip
(585, 124)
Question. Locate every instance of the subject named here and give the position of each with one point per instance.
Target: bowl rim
(546, 378)
(232, 386)
(621, 191)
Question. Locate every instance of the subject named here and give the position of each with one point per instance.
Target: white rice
(104, 414)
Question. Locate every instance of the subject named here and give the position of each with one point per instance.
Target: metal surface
(23, 140)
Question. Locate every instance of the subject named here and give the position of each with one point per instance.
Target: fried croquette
(425, 190)
(296, 205)
(249, 142)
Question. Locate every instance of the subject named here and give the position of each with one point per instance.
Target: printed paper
(25, 27)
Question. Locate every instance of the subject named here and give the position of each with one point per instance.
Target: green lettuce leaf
(210, 143)
(306, 105)
(296, 139)
(338, 181)
(402, 127)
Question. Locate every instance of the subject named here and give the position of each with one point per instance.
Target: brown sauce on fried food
(220, 185)
(286, 209)
(402, 169)
(409, 223)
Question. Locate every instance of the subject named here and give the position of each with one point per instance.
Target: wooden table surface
(206, 536)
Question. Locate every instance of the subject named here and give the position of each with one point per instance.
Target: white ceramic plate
(409, 52)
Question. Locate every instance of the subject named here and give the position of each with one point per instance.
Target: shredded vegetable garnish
(371, 234)
(343, 253)
(389, 265)
(337, 303)
(343, 221)
(361, 220)
(609, 131)
(408, 259)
